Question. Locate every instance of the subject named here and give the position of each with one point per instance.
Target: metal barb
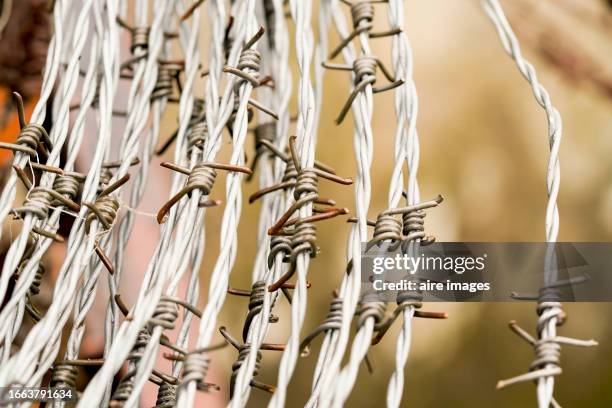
(301, 230)
(243, 352)
(191, 9)
(364, 68)
(362, 14)
(201, 177)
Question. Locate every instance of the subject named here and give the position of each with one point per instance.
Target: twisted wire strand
(15, 304)
(132, 131)
(88, 290)
(159, 100)
(148, 44)
(336, 342)
(301, 12)
(42, 343)
(321, 52)
(52, 323)
(272, 207)
(31, 134)
(407, 148)
(247, 61)
(549, 312)
(50, 73)
(168, 262)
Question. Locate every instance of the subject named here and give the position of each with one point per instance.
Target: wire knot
(256, 301)
(243, 354)
(304, 239)
(64, 375)
(362, 14)
(370, 307)
(142, 341)
(333, 321)
(37, 202)
(32, 135)
(387, 227)
(547, 352)
(290, 175)
(104, 210)
(201, 177)
(166, 395)
(67, 185)
(365, 69)
(195, 368)
(140, 38)
(407, 299)
(279, 244)
(414, 227)
(197, 136)
(165, 314)
(306, 185)
(122, 392)
(167, 75)
(247, 69)
(250, 60)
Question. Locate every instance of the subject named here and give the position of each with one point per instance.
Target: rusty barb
(362, 14)
(201, 177)
(243, 353)
(140, 36)
(32, 137)
(296, 235)
(247, 71)
(388, 228)
(197, 130)
(332, 322)
(168, 75)
(39, 200)
(547, 349)
(104, 209)
(34, 288)
(291, 174)
(195, 363)
(256, 300)
(364, 68)
(191, 9)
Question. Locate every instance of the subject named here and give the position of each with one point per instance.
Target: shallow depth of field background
(484, 147)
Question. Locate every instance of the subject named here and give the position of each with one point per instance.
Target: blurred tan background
(484, 147)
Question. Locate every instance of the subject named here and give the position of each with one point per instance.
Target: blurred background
(484, 147)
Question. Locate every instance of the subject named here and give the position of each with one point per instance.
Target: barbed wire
(362, 105)
(261, 300)
(248, 55)
(43, 338)
(306, 138)
(547, 347)
(406, 148)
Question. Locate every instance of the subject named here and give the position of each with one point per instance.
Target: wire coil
(140, 38)
(166, 395)
(64, 375)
